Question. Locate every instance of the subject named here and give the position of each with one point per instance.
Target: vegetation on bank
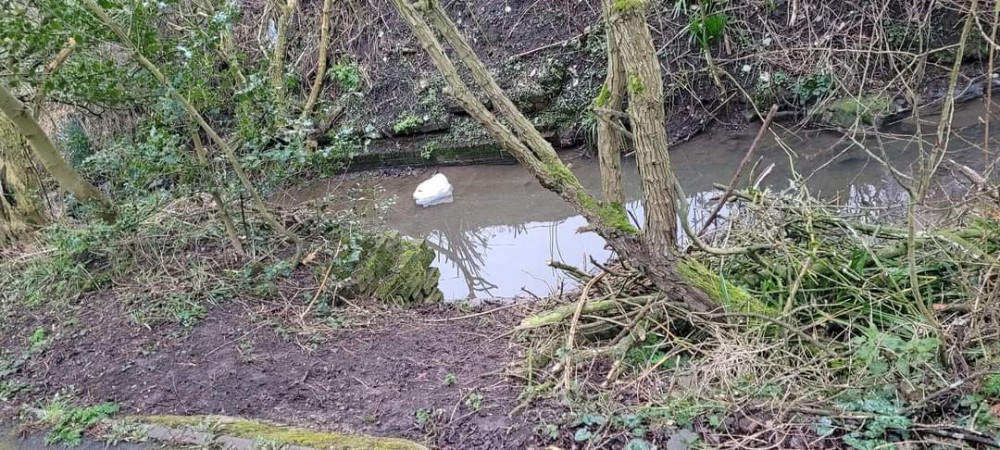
(828, 325)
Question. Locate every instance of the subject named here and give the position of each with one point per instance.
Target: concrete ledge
(242, 434)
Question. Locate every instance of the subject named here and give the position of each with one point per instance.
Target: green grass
(407, 124)
(69, 422)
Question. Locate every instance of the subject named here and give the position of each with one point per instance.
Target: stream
(495, 240)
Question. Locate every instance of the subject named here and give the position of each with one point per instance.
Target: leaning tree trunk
(645, 108)
(519, 137)
(46, 152)
(19, 194)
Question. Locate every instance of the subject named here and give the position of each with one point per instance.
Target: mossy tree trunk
(631, 34)
(20, 212)
(276, 68)
(610, 141)
(49, 155)
(519, 137)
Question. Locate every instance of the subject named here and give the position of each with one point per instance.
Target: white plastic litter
(434, 191)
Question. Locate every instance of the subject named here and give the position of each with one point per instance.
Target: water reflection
(496, 238)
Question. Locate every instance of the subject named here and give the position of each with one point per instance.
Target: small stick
(322, 286)
(739, 170)
(478, 314)
(572, 271)
(571, 337)
(554, 44)
(604, 268)
(796, 285)
(614, 124)
(49, 69)
(635, 322)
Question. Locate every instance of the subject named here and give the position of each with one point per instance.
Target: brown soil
(370, 378)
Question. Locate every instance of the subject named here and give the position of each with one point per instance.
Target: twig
(322, 285)
(572, 271)
(613, 123)
(682, 207)
(739, 170)
(49, 70)
(950, 387)
(483, 313)
(604, 268)
(962, 435)
(777, 322)
(554, 44)
(571, 336)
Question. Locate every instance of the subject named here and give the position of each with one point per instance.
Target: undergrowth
(68, 422)
(843, 355)
(167, 260)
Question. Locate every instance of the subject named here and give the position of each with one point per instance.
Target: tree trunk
(645, 108)
(276, 69)
(524, 142)
(19, 193)
(610, 141)
(46, 152)
(324, 38)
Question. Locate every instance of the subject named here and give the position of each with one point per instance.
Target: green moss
(612, 215)
(553, 120)
(870, 110)
(407, 124)
(561, 174)
(628, 5)
(248, 429)
(635, 84)
(734, 298)
(602, 97)
(398, 270)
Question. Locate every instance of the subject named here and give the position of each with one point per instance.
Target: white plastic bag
(434, 191)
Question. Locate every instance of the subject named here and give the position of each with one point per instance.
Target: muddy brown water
(497, 237)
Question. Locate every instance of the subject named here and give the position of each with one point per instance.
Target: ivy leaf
(582, 435)
(824, 427)
(595, 420)
(639, 444)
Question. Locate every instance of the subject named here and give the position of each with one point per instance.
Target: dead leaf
(309, 258)
(995, 409)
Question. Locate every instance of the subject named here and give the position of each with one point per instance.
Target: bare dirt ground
(379, 377)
